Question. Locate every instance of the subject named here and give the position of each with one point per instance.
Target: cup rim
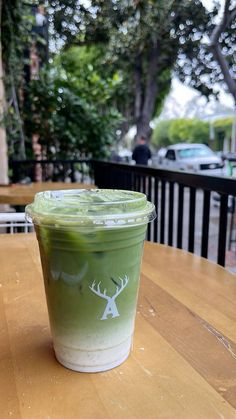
(90, 207)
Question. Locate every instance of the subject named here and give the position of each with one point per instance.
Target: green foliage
(189, 130)
(16, 25)
(160, 135)
(16, 37)
(142, 40)
(70, 110)
(69, 106)
(180, 130)
(138, 31)
(83, 68)
(121, 62)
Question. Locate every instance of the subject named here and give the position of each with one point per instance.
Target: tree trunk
(138, 86)
(143, 128)
(150, 93)
(3, 142)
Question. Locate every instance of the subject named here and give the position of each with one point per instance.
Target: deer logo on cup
(111, 307)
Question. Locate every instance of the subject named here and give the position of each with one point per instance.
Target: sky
(209, 3)
(185, 102)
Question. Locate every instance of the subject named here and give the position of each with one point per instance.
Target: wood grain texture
(184, 354)
(19, 194)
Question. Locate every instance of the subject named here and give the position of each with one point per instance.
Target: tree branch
(231, 16)
(227, 18)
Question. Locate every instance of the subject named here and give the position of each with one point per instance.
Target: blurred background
(89, 78)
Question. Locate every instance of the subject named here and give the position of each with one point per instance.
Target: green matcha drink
(91, 244)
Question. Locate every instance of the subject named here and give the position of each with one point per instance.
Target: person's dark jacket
(141, 154)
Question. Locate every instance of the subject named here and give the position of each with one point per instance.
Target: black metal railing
(188, 205)
(194, 212)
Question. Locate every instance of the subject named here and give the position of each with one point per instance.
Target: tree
(212, 62)
(70, 103)
(221, 44)
(160, 135)
(227, 65)
(83, 67)
(180, 130)
(70, 110)
(143, 40)
(189, 130)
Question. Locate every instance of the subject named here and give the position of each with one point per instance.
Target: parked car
(192, 157)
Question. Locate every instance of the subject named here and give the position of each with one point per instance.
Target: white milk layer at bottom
(95, 360)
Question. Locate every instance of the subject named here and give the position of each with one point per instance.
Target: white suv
(192, 157)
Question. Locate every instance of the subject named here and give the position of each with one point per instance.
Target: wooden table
(19, 194)
(183, 363)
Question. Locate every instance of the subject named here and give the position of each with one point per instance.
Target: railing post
(72, 168)
(222, 230)
(180, 217)
(192, 210)
(205, 224)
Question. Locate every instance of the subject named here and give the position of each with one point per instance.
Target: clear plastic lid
(94, 207)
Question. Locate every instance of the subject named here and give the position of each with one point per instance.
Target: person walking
(141, 153)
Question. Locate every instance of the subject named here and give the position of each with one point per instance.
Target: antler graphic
(96, 288)
(111, 308)
(98, 292)
(124, 281)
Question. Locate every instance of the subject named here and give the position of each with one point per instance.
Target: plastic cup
(91, 244)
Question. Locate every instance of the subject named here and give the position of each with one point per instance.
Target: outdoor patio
(118, 209)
